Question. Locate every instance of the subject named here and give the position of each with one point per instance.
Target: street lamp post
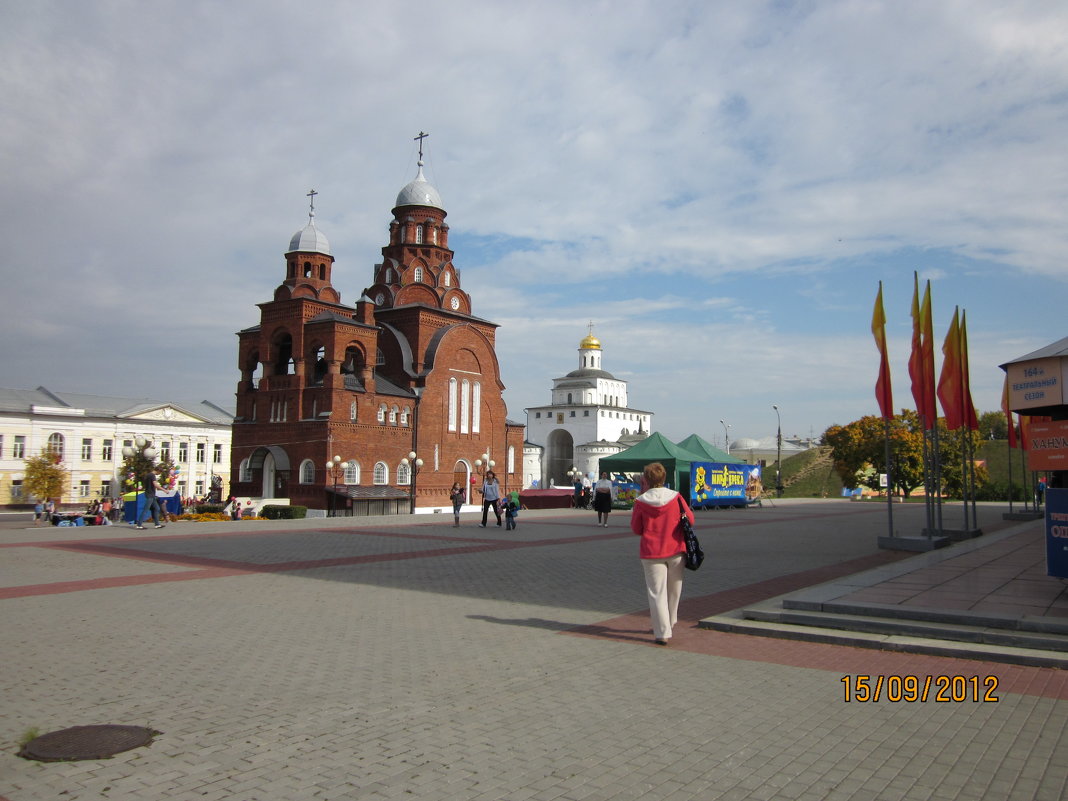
(726, 437)
(414, 463)
(335, 467)
(778, 453)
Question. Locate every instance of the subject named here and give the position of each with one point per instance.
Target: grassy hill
(812, 475)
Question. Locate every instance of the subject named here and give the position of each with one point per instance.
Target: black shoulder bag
(694, 555)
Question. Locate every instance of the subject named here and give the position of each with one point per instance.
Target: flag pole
(889, 481)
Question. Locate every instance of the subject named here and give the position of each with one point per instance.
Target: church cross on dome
(311, 200)
(420, 139)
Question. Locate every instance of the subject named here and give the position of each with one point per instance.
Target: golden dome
(590, 342)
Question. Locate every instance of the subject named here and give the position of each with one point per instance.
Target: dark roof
(1058, 348)
(591, 372)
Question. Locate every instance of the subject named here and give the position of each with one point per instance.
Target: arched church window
(380, 357)
(381, 474)
(244, 472)
(382, 413)
(352, 472)
(448, 278)
(388, 278)
(417, 276)
(404, 416)
(352, 412)
(404, 474)
(465, 406)
(433, 235)
(307, 472)
(307, 269)
(476, 410)
(393, 416)
(418, 234)
(322, 272)
(569, 397)
(452, 404)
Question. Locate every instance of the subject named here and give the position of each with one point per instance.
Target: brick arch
(417, 293)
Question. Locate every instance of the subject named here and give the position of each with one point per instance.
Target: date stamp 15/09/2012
(942, 689)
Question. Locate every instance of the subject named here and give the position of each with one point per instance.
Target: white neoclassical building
(90, 431)
(589, 418)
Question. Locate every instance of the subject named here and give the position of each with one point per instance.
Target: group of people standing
(492, 498)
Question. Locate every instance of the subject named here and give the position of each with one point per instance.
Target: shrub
(284, 512)
(208, 508)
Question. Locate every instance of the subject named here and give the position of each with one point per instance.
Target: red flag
(950, 381)
(1008, 413)
(970, 419)
(883, 391)
(921, 362)
(930, 411)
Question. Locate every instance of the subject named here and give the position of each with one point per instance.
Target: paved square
(402, 658)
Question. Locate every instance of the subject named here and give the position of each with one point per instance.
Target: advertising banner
(1047, 445)
(719, 484)
(1035, 384)
(1057, 533)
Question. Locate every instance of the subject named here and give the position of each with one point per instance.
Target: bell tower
(308, 261)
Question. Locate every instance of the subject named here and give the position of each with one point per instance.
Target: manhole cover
(86, 742)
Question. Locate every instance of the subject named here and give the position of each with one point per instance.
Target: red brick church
(407, 369)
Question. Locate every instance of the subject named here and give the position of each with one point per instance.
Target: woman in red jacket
(656, 520)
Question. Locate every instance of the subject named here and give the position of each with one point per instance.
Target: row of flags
(953, 389)
(954, 385)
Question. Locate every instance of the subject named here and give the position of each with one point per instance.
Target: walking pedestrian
(655, 519)
(602, 499)
(491, 496)
(150, 485)
(458, 498)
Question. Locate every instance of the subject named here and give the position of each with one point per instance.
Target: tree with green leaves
(859, 451)
(44, 476)
(993, 425)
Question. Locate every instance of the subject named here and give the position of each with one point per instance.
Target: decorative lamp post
(336, 468)
(415, 464)
(726, 437)
(778, 453)
(484, 465)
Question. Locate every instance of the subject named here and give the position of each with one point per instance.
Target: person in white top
(602, 499)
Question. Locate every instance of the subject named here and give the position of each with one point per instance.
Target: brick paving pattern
(401, 658)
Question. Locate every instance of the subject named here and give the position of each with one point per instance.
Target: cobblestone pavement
(402, 658)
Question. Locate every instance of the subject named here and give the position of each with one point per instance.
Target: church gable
(169, 413)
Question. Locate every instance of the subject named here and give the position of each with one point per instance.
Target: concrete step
(888, 641)
(909, 627)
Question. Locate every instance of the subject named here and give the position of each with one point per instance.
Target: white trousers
(663, 581)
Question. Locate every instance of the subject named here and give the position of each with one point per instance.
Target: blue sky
(718, 186)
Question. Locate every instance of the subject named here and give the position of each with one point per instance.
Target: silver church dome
(420, 193)
(309, 239)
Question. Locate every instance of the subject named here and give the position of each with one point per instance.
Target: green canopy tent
(710, 452)
(656, 448)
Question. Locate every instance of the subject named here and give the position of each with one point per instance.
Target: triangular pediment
(167, 412)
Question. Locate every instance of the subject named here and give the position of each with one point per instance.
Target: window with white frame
(380, 357)
(16, 489)
(393, 416)
(452, 404)
(352, 472)
(165, 451)
(307, 472)
(200, 452)
(381, 475)
(105, 488)
(183, 452)
(404, 474)
(511, 459)
(244, 471)
(404, 416)
(448, 278)
(199, 487)
(18, 447)
(87, 449)
(55, 445)
(216, 454)
(352, 412)
(382, 413)
(83, 488)
(106, 450)
(465, 406)
(418, 274)
(418, 238)
(476, 408)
